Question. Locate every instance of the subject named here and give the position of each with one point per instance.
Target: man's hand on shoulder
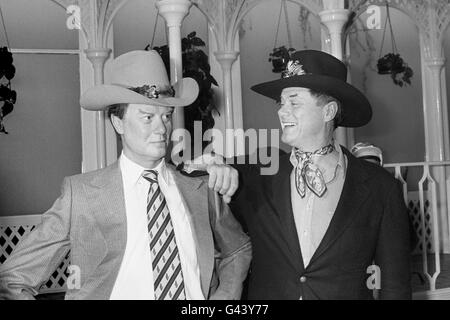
(222, 177)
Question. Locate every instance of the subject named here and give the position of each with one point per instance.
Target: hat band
(153, 92)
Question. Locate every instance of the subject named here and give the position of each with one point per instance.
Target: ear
(329, 111)
(117, 124)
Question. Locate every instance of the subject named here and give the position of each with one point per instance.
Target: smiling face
(305, 124)
(145, 131)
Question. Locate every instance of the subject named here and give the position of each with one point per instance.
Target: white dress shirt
(135, 278)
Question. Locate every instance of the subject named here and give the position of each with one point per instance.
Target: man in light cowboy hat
(137, 229)
(325, 217)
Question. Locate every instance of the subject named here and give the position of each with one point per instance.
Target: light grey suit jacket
(89, 220)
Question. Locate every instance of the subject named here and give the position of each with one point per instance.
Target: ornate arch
(95, 29)
(225, 17)
(417, 10)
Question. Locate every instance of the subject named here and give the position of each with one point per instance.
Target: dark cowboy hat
(323, 73)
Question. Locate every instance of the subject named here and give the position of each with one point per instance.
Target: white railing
(12, 230)
(427, 196)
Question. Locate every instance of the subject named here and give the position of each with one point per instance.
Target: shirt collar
(341, 161)
(132, 171)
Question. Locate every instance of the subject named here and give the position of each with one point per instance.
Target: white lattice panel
(416, 219)
(14, 229)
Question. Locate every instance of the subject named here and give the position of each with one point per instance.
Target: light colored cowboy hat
(323, 73)
(140, 77)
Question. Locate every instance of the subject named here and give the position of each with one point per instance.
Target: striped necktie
(167, 274)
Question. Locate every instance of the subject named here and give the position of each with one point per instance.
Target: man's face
(302, 120)
(145, 132)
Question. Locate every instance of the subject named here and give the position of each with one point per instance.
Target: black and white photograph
(246, 152)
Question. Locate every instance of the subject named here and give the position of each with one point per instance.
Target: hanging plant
(7, 96)
(195, 65)
(280, 56)
(392, 63)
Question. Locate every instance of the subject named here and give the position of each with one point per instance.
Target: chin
(287, 140)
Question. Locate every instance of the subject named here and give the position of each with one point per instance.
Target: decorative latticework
(225, 17)
(431, 16)
(12, 231)
(416, 220)
(95, 29)
(10, 237)
(442, 16)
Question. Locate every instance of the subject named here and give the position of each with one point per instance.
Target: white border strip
(46, 51)
(33, 219)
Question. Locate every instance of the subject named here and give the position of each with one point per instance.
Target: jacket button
(302, 279)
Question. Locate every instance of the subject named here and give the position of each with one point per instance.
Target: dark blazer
(370, 224)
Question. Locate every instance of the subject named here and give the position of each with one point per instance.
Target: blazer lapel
(353, 195)
(195, 196)
(279, 194)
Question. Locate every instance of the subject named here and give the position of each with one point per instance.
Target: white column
(98, 58)
(226, 60)
(436, 117)
(334, 20)
(99, 142)
(174, 11)
(437, 146)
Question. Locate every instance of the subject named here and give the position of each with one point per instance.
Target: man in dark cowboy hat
(137, 229)
(326, 221)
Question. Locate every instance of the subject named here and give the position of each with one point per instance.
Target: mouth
(287, 125)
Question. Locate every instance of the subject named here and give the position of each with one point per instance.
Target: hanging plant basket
(7, 95)
(392, 63)
(280, 57)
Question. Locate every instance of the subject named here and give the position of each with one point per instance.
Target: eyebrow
(145, 112)
(172, 109)
(294, 95)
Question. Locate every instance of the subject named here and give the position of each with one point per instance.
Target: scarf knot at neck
(307, 174)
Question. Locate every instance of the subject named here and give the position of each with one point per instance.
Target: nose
(160, 126)
(284, 110)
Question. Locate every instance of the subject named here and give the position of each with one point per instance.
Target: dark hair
(323, 99)
(117, 110)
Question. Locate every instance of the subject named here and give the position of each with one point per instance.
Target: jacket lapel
(195, 196)
(279, 194)
(353, 195)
